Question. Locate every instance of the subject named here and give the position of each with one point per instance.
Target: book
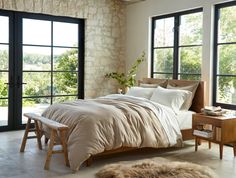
(203, 133)
(213, 110)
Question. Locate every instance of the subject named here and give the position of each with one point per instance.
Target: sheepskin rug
(156, 169)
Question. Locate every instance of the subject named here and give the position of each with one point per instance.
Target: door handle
(18, 83)
(10, 84)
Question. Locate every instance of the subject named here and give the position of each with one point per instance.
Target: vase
(119, 90)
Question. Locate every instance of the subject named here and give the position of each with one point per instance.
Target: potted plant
(127, 80)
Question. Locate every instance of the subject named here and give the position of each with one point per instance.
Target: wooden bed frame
(197, 103)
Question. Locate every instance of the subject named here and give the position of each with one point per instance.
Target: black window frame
(80, 48)
(176, 45)
(215, 55)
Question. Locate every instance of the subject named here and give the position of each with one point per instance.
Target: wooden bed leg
(22, 148)
(46, 140)
(89, 161)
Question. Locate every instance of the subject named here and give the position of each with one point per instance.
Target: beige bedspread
(114, 121)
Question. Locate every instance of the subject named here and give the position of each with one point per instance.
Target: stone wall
(104, 35)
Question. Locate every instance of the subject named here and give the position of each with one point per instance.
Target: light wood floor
(30, 164)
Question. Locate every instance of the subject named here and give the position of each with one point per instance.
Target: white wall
(138, 32)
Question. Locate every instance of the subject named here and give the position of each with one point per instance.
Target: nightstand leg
(221, 150)
(196, 143)
(209, 144)
(234, 149)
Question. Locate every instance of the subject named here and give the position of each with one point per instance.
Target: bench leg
(22, 148)
(50, 149)
(64, 147)
(38, 134)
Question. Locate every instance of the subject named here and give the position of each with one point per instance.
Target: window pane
(4, 112)
(36, 58)
(64, 99)
(38, 83)
(34, 105)
(226, 59)
(4, 55)
(37, 32)
(190, 60)
(65, 59)
(163, 60)
(163, 76)
(65, 34)
(189, 77)
(226, 90)
(163, 32)
(3, 86)
(227, 24)
(65, 83)
(4, 29)
(191, 29)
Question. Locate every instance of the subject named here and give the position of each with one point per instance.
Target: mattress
(185, 119)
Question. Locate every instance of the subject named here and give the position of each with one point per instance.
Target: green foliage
(127, 80)
(39, 84)
(66, 82)
(3, 77)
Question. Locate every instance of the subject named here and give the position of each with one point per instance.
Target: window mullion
(51, 98)
(176, 48)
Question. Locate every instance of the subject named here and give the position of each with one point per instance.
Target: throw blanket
(114, 121)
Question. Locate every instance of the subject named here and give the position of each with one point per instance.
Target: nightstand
(216, 129)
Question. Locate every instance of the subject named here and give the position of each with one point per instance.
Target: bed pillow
(153, 84)
(192, 88)
(147, 85)
(140, 92)
(171, 98)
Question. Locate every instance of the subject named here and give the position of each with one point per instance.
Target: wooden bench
(55, 128)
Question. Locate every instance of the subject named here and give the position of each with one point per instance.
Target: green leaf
(127, 80)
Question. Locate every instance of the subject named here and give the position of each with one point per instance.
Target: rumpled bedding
(114, 121)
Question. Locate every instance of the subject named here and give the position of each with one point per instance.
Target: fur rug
(153, 169)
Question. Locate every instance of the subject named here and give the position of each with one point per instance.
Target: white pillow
(171, 98)
(141, 92)
(147, 85)
(192, 88)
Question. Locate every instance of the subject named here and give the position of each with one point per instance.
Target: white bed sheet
(185, 119)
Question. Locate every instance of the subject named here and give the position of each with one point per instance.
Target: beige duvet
(114, 121)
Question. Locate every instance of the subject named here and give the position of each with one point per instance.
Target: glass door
(6, 71)
(50, 61)
(41, 63)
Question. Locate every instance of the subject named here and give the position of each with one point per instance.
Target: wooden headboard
(199, 99)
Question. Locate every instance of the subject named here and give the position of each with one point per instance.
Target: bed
(117, 123)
